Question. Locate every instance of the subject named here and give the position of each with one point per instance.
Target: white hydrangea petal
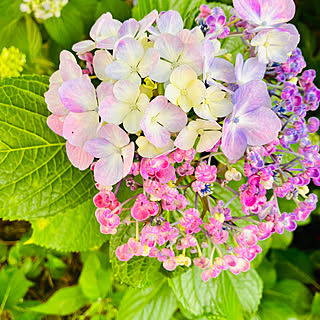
(161, 72)
(186, 139)
(118, 70)
(208, 140)
(132, 121)
(129, 50)
(84, 46)
(126, 91)
(148, 62)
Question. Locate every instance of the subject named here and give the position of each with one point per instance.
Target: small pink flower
(185, 169)
(248, 235)
(202, 262)
(242, 265)
(108, 221)
(265, 230)
(213, 272)
(191, 221)
(143, 208)
(206, 173)
(197, 186)
(135, 168)
(135, 246)
(170, 264)
(150, 236)
(169, 233)
(124, 253)
(159, 168)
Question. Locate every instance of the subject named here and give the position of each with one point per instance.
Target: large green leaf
(63, 302)
(36, 178)
(228, 296)
(138, 271)
(68, 28)
(75, 229)
(155, 302)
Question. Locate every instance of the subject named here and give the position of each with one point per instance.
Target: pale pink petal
(100, 148)
(104, 89)
(126, 91)
(186, 139)
(108, 171)
(161, 72)
(113, 111)
(78, 95)
(80, 127)
(118, 70)
(173, 118)
(127, 154)
(146, 22)
(108, 43)
(148, 62)
(169, 47)
(53, 100)
(67, 55)
(129, 28)
(78, 156)
(115, 135)
(155, 133)
(265, 13)
(84, 46)
(69, 70)
(170, 22)
(101, 59)
(55, 78)
(234, 141)
(104, 18)
(260, 126)
(129, 50)
(208, 140)
(55, 123)
(251, 96)
(192, 57)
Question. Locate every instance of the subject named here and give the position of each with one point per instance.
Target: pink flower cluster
(209, 149)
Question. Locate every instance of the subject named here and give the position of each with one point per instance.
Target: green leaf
(118, 8)
(138, 271)
(275, 309)
(228, 296)
(293, 293)
(56, 266)
(13, 287)
(267, 273)
(63, 302)
(281, 241)
(155, 302)
(36, 177)
(78, 230)
(95, 281)
(315, 308)
(187, 8)
(23, 34)
(68, 28)
(3, 252)
(293, 264)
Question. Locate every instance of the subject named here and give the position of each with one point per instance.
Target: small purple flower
(286, 221)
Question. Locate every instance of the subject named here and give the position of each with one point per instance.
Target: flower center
(183, 92)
